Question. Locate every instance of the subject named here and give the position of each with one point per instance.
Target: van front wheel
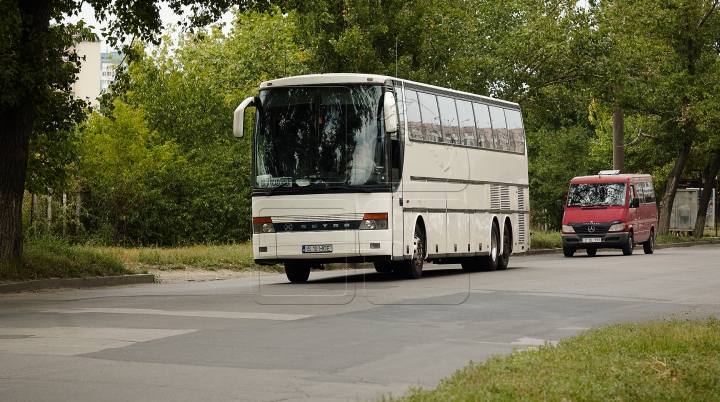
(629, 246)
(568, 251)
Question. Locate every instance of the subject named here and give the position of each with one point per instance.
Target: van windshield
(597, 195)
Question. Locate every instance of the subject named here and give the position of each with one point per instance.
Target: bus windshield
(320, 136)
(597, 195)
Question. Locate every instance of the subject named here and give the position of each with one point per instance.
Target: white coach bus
(370, 168)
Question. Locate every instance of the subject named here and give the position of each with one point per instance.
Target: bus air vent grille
(521, 199)
(504, 198)
(495, 197)
(521, 229)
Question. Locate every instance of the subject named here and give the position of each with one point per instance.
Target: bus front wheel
(297, 272)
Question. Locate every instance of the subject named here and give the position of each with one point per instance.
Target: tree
(664, 59)
(36, 62)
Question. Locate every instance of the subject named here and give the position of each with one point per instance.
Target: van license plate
(591, 240)
(317, 249)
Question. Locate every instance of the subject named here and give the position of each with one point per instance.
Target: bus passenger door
(396, 162)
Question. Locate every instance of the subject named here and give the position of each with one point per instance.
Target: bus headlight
(618, 227)
(263, 224)
(374, 221)
(567, 229)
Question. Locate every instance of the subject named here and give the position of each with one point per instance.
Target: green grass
(237, 257)
(546, 239)
(669, 361)
(550, 239)
(46, 257)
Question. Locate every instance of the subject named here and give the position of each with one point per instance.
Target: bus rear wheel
(490, 262)
(297, 272)
(504, 259)
(412, 269)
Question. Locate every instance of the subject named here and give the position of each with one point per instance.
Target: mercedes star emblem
(591, 229)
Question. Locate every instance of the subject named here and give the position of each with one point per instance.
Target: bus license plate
(591, 240)
(317, 249)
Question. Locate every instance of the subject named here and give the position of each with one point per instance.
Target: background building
(97, 71)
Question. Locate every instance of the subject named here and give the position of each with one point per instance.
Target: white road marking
(69, 341)
(205, 314)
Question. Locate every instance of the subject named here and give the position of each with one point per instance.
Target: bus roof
(352, 78)
(610, 178)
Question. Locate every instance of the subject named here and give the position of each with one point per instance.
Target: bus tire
(490, 262)
(297, 272)
(412, 269)
(506, 249)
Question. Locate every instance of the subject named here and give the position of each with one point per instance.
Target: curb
(76, 283)
(544, 251)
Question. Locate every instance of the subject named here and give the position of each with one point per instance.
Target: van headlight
(567, 229)
(618, 227)
(374, 222)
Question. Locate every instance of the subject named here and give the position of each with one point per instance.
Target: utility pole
(618, 140)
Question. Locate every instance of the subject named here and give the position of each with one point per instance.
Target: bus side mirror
(560, 205)
(239, 116)
(390, 113)
(635, 203)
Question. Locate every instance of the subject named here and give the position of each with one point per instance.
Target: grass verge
(550, 239)
(238, 257)
(629, 362)
(46, 257)
(546, 239)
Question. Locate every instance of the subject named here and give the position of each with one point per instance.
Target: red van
(610, 210)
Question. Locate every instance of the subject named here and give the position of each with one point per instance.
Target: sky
(166, 15)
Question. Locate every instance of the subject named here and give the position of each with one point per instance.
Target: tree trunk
(14, 143)
(705, 197)
(671, 188)
(618, 140)
(16, 125)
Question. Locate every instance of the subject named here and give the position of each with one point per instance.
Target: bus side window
(413, 115)
(499, 128)
(484, 127)
(449, 119)
(430, 117)
(467, 123)
(517, 133)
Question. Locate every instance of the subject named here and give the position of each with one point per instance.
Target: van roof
(611, 178)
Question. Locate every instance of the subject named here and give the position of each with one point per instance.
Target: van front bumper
(609, 240)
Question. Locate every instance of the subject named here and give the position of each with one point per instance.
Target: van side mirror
(560, 205)
(390, 113)
(635, 203)
(239, 116)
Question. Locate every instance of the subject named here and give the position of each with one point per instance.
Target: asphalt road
(345, 335)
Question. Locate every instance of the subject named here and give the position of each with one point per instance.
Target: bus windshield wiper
(270, 191)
